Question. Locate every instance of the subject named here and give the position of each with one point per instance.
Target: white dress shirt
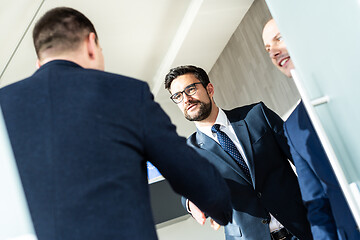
(226, 127)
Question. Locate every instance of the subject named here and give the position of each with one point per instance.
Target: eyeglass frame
(184, 91)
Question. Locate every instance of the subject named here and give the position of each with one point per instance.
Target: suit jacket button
(259, 194)
(264, 221)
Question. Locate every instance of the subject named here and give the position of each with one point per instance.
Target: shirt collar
(221, 119)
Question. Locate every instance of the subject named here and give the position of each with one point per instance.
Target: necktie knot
(215, 128)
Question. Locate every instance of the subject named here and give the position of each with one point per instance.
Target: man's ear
(210, 89)
(91, 45)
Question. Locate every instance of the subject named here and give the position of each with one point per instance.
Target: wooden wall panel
(244, 74)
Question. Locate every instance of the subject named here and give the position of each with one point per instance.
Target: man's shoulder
(246, 107)
(191, 140)
(114, 77)
(243, 111)
(298, 121)
(233, 115)
(74, 76)
(298, 114)
(13, 88)
(83, 74)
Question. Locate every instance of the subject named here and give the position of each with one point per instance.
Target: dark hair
(199, 73)
(61, 29)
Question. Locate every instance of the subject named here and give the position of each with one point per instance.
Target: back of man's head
(60, 30)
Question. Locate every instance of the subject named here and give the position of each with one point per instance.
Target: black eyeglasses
(189, 91)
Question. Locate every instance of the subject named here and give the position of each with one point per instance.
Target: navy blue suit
(328, 212)
(81, 139)
(274, 186)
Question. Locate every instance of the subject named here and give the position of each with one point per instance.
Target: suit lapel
(212, 146)
(242, 134)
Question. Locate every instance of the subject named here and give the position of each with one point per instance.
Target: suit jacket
(328, 212)
(274, 186)
(81, 139)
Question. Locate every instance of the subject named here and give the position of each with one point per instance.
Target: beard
(203, 112)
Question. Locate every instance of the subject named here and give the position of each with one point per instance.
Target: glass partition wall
(323, 40)
(15, 220)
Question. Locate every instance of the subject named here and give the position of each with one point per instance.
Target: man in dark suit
(81, 138)
(328, 211)
(248, 147)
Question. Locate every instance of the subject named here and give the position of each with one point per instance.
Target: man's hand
(200, 216)
(214, 224)
(197, 213)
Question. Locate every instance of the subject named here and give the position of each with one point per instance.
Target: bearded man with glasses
(204, 108)
(248, 147)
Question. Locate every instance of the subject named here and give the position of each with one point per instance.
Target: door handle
(320, 101)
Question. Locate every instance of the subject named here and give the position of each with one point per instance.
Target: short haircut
(61, 29)
(199, 73)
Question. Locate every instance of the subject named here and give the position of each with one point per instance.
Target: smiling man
(248, 147)
(276, 48)
(328, 212)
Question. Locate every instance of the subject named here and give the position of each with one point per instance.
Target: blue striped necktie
(231, 149)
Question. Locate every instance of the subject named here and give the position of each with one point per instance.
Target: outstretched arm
(188, 173)
(198, 215)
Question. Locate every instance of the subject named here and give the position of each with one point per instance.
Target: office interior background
(144, 39)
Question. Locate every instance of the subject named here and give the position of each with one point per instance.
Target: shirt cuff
(187, 206)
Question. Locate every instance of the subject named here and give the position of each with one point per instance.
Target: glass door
(323, 38)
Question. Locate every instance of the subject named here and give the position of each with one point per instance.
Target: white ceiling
(140, 38)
